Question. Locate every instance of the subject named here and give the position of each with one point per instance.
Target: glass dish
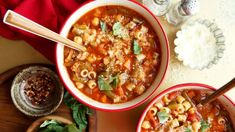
(204, 56)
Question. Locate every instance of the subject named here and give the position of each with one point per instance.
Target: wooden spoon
(211, 97)
(218, 92)
(18, 21)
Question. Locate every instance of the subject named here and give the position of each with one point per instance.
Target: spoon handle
(18, 21)
(219, 92)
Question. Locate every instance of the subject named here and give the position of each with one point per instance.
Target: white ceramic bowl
(226, 102)
(164, 54)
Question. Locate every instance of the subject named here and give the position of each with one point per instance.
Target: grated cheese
(196, 46)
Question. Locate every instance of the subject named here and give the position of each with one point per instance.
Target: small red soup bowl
(227, 103)
(154, 22)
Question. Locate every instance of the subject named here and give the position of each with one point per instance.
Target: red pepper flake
(39, 87)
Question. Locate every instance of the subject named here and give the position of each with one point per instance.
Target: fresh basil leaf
(162, 116)
(188, 130)
(103, 26)
(55, 127)
(79, 111)
(204, 126)
(115, 81)
(71, 128)
(119, 30)
(103, 85)
(136, 48)
(48, 122)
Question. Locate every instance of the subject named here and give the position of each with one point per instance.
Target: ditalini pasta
(174, 113)
(122, 58)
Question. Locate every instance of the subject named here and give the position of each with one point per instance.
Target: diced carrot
(152, 119)
(95, 90)
(119, 91)
(127, 64)
(172, 95)
(144, 130)
(96, 96)
(103, 98)
(192, 117)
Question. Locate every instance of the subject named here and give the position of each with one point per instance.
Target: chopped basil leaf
(54, 128)
(103, 84)
(119, 30)
(204, 126)
(51, 125)
(162, 116)
(103, 26)
(136, 47)
(114, 81)
(48, 122)
(79, 111)
(71, 128)
(187, 130)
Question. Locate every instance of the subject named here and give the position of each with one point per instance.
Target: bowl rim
(171, 89)
(138, 103)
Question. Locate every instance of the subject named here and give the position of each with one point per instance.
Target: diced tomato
(172, 95)
(119, 91)
(191, 94)
(192, 117)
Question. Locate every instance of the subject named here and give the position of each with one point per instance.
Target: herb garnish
(187, 130)
(54, 126)
(204, 126)
(103, 26)
(119, 30)
(103, 84)
(79, 111)
(108, 84)
(162, 116)
(136, 47)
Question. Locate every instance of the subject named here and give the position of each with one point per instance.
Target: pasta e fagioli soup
(122, 58)
(174, 110)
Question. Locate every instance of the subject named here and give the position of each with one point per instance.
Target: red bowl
(164, 55)
(226, 102)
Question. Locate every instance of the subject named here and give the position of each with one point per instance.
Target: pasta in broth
(175, 113)
(122, 58)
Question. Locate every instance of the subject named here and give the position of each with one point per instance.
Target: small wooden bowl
(35, 125)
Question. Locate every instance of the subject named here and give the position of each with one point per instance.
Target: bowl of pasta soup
(126, 59)
(171, 110)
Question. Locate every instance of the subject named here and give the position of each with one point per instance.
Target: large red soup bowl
(163, 47)
(224, 100)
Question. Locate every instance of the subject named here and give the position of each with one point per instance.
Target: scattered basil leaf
(162, 116)
(120, 31)
(117, 28)
(55, 127)
(115, 81)
(136, 47)
(48, 122)
(103, 26)
(103, 84)
(204, 126)
(51, 126)
(188, 130)
(71, 128)
(79, 111)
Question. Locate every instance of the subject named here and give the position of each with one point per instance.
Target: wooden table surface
(13, 53)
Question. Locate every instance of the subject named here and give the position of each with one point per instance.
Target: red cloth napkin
(49, 13)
